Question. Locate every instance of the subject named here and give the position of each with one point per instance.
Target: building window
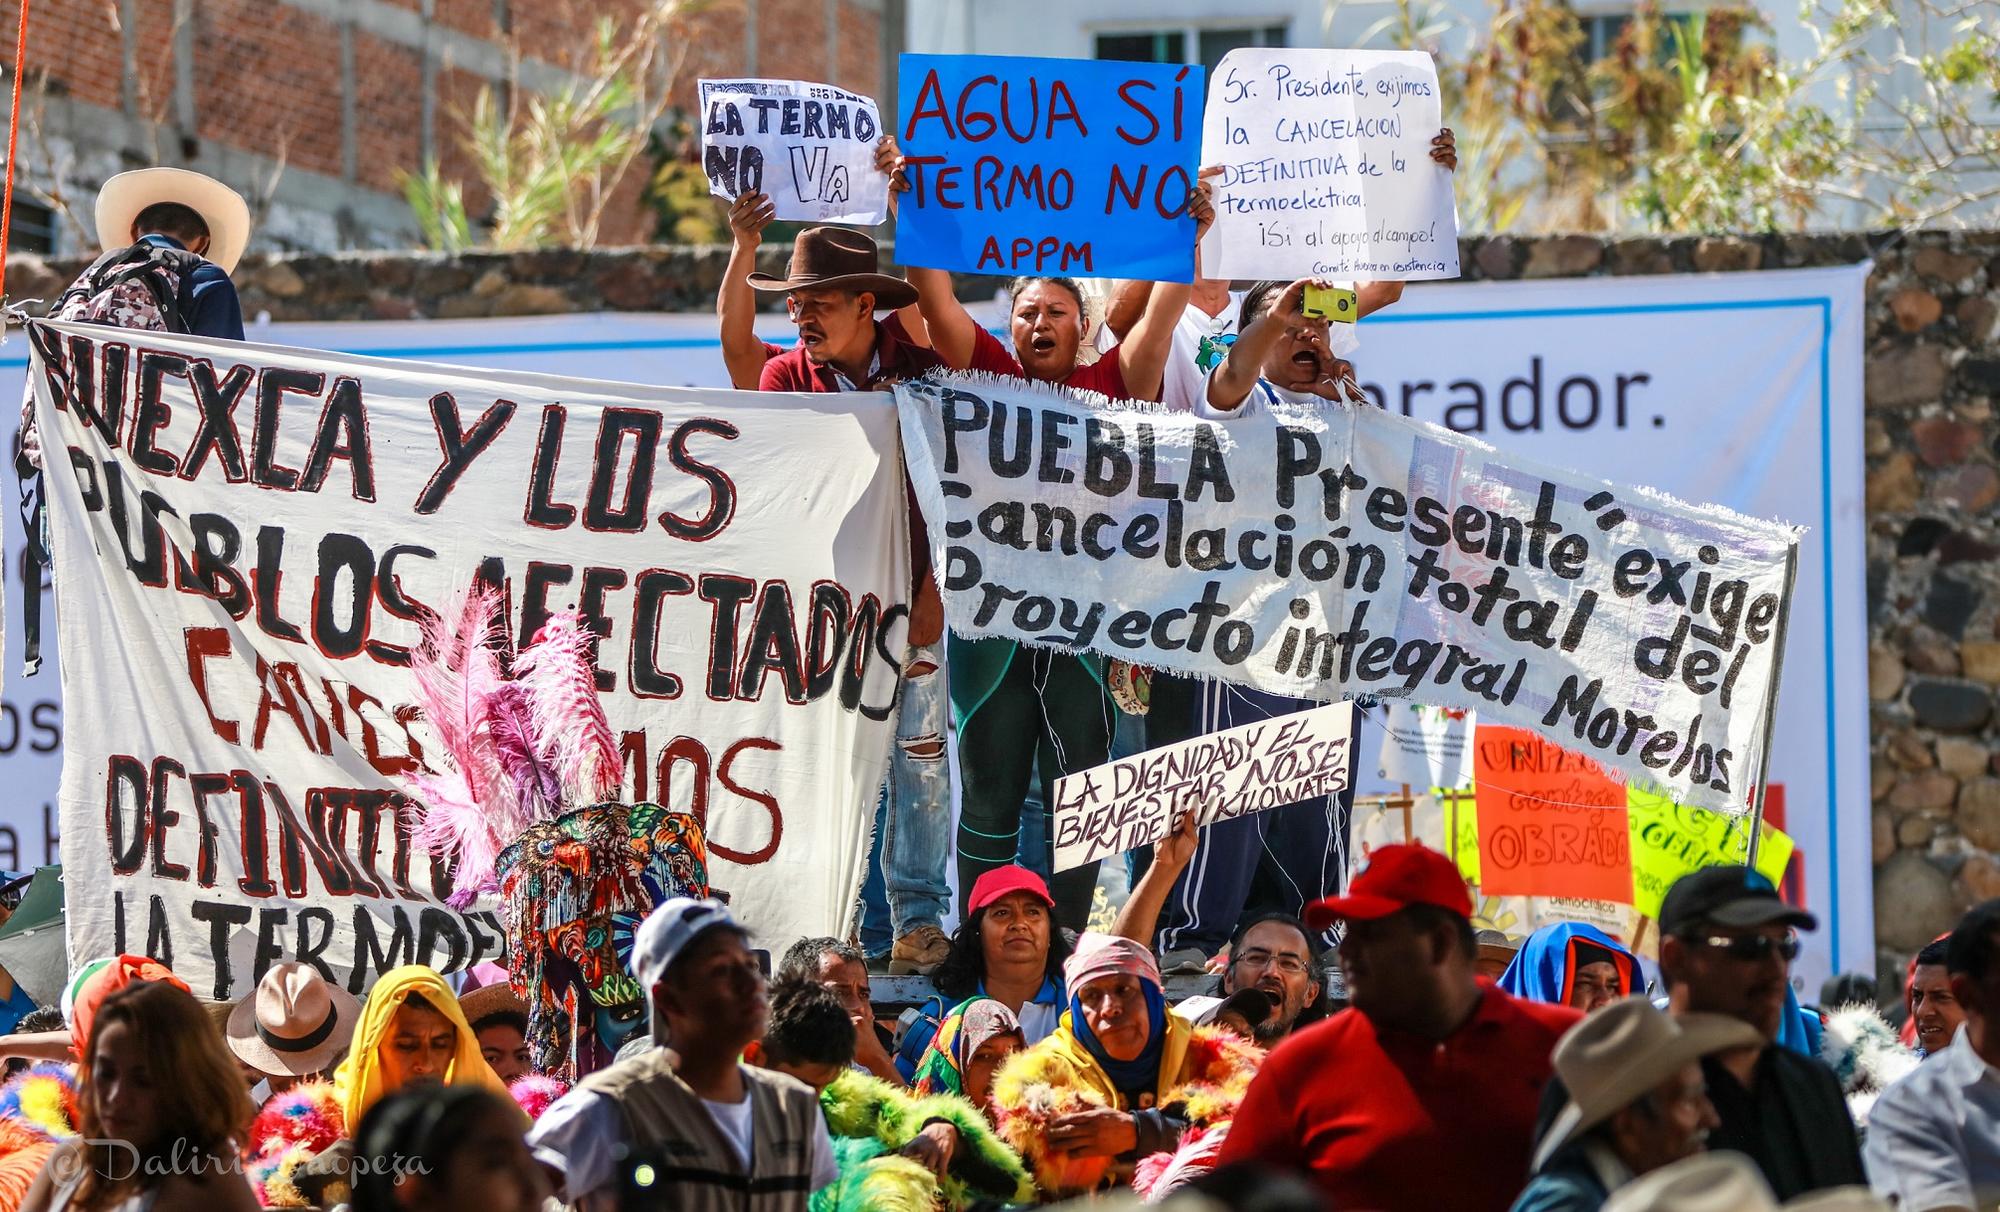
(1210, 43)
(34, 227)
(1150, 46)
(1602, 30)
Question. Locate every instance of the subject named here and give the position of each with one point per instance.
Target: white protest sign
(1121, 805)
(810, 147)
(245, 539)
(1425, 747)
(1337, 552)
(1326, 167)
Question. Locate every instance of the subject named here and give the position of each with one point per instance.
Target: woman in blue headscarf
(1571, 964)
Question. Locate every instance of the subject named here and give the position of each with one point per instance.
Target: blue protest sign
(1049, 166)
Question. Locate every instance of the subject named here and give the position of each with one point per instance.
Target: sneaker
(918, 952)
(1184, 960)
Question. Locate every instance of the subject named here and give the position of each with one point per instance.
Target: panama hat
(222, 208)
(1611, 1059)
(834, 258)
(296, 1022)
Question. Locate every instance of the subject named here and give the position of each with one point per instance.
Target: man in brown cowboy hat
(1637, 1101)
(832, 292)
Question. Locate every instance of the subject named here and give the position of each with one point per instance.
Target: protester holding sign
(1037, 710)
(743, 352)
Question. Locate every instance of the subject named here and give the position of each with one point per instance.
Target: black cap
(1727, 896)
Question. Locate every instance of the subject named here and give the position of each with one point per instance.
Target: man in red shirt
(832, 292)
(1421, 1095)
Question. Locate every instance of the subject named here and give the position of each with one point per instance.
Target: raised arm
(1140, 918)
(1232, 381)
(735, 302)
(1142, 355)
(1128, 303)
(952, 329)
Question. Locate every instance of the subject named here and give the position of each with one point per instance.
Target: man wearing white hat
(1637, 1101)
(171, 238)
(690, 1117)
(172, 208)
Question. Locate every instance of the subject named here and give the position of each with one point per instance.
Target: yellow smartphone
(1330, 303)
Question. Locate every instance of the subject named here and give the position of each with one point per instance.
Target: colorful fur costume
(291, 1129)
(1864, 1053)
(524, 808)
(870, 1120)
(38, 1111)
(1203, 1074)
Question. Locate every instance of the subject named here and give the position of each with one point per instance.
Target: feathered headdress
(523, 805)
(521, 749)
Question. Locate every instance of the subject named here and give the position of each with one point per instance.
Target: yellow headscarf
(359, 1083)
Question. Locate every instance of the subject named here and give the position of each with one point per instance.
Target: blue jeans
(907, 884)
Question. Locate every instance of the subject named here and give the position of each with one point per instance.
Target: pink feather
(454, 827)
(559, 673)
(536, 788)
(465, 809)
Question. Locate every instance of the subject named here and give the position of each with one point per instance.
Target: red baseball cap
(1394, 878)
(1002, 880)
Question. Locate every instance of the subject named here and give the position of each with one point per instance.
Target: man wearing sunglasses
(1726, 947)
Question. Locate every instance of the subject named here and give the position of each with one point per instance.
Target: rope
(13, 134)
(13, 137)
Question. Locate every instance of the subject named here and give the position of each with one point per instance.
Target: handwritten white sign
(1326, 167)
(811, 147)
(1116, 807)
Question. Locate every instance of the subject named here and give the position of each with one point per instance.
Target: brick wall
(1932, 440)
(309, 107)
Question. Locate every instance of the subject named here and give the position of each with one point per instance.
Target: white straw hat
(222, 208)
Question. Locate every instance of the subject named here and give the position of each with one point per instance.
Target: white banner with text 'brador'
(1349, 551)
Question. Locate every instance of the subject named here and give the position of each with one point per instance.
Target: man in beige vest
(687, 1125)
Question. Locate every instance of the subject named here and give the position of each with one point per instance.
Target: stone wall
(1932, 442)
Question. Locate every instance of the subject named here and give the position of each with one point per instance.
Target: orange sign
(1551, 822)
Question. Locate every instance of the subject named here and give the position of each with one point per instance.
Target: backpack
(143, 286)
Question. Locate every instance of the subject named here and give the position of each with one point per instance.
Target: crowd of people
(1060, 1069)
(1361, 1045)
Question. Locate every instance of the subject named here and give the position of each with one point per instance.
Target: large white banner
(1742, 389)
(1329, 551)
(246, 535)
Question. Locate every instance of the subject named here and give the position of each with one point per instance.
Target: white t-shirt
(734, 1121)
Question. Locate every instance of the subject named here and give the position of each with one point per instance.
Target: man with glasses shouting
(1726, 947)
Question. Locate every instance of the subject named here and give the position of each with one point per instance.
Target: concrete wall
(1933, 456)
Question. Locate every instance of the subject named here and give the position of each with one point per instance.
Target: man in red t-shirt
(1421, 1095)
(832, 292)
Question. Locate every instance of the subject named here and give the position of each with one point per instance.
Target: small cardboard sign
(1132, 802)
(810, 147)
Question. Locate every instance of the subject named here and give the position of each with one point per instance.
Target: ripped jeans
(906, 884)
